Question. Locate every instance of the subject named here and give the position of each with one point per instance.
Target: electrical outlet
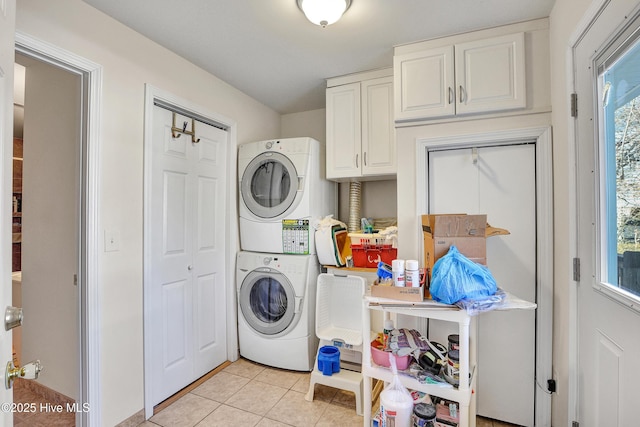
(111, 241)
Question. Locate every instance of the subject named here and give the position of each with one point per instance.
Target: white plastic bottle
(412, 274)
(397, 270)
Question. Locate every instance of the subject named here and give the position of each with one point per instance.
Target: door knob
(190, 267)
(30, 371)
(12, 318)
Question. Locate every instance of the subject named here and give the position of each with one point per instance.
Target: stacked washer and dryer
(282, 197)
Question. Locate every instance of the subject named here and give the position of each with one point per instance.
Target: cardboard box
(467, 232)
(398, 292)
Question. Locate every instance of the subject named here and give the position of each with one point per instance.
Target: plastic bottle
(386, 332)
(397, 269)
(412, 274)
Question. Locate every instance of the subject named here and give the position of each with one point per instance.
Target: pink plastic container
(381, 358)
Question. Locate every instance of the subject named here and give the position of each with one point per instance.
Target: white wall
(129, 61)
(49, 225)
(307, 123)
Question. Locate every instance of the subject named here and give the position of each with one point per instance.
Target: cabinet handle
(356, 160)
(450, 95)
(365, 158)
(462, 94)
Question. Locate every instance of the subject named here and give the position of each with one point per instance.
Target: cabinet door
(378, 130)
(490, 74)
(424, 85)
(343, 131)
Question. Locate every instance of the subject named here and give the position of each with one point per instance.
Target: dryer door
(267, 301)
(269, 185)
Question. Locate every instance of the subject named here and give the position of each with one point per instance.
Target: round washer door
(269, 185)
(267, 301)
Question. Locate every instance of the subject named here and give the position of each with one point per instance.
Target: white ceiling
(268, 49)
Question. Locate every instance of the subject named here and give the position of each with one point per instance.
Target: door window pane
(620, 158)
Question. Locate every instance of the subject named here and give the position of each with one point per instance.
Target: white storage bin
(339, 308)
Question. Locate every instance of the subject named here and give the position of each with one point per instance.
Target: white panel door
(607, 318)
(500, 182)
(187, 253)
(7, 26)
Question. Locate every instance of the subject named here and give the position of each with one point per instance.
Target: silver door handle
(451, 96)
(12, 318)
(365, 158)
(462, 94)
(356, 160)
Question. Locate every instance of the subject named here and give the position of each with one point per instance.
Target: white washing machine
(283, 194)
(276, 309)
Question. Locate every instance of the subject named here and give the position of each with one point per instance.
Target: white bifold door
(187, 252)
(499, 181)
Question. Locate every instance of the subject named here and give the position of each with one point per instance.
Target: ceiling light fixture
(323, 12)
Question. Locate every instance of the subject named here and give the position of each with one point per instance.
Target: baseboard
(50, 395)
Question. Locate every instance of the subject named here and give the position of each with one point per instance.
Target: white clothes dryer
(276, 309)
(283, 194)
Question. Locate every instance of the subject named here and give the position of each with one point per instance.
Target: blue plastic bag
(456, 277)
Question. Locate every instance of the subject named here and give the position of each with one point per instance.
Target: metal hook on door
(184, 130)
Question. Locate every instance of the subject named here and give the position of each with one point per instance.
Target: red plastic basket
(368, 256)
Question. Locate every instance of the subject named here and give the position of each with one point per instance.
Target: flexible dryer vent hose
(355, 201)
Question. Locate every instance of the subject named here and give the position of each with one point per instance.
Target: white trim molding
(542, 138)
(89, 286)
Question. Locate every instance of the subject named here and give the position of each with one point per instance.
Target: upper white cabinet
(479, 76)
(360, 126)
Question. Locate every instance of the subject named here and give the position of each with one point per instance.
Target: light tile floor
(248, 394)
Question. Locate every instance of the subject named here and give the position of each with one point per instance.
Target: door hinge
(75, 280)
(575, 424)
(576, 269)
(574, 105)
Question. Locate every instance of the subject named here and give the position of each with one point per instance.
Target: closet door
(187, 239)
(500, 182)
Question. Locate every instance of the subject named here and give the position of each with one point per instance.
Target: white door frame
(544, 236)
(153, 95)
(88, 279)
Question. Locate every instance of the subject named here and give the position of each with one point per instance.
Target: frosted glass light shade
(323, 12)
